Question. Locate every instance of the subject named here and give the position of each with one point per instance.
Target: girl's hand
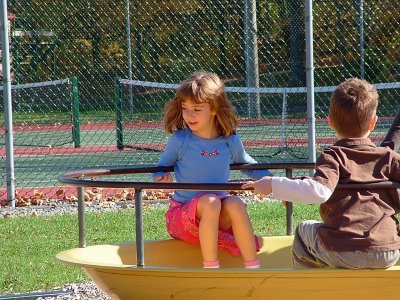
(166, 178)
(262, 186)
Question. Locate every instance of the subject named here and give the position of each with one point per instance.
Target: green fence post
(76, 122)
(118, 109)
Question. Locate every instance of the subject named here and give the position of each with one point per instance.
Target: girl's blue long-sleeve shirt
(198, 160)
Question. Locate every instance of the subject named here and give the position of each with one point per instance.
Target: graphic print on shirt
(213, 153)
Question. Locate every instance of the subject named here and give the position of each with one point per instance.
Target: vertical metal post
(289, 209)
(360, 30)
(310, 82)
(138, 34)
(118, 107)
(129, 54)
(16, 63)
(251, 57)
(81, 217)
(8, 136)
(76, 120)
(139, 228)
(283, 144)
(54, 60)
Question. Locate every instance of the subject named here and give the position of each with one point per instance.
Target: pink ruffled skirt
(183, 225)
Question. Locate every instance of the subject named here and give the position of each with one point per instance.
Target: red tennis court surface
(152, 124)
(138, 125)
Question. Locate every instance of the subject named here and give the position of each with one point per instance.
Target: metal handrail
(83, 179)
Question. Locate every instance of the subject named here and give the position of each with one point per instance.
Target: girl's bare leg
(234, 213)
(208, 212)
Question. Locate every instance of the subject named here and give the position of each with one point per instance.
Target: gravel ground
(74, 291)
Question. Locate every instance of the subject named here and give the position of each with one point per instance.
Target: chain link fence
(99, 120)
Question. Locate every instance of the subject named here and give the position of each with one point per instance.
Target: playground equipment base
(173, 270)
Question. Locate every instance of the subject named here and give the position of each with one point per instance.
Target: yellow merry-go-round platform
(171, 269)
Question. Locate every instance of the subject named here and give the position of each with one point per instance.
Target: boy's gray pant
(308, 251)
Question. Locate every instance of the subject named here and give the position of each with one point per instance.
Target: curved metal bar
(82, 179)
(79, 178)
(153, 169)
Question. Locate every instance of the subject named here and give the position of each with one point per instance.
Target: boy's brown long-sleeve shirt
(359, 220)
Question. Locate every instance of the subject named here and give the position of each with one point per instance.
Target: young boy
(358, 229)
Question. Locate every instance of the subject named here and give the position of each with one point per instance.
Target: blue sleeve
(240, 156)
(170, 154)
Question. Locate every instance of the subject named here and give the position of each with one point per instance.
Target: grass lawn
(29, 244)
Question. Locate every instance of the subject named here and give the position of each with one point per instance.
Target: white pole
(310, 82)
(5, 52)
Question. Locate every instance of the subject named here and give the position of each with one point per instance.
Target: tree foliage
(170, 39)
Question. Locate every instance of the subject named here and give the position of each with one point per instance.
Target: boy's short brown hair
(353, 105)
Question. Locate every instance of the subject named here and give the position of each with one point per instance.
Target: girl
(203, 144)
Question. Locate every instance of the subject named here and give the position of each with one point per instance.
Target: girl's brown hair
(201, 87)
(353, 105)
